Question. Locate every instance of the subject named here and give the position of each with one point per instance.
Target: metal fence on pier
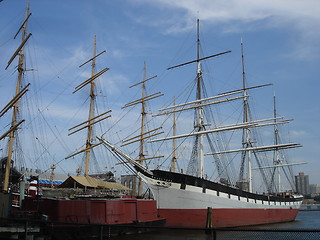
(263, 234)
(43, 229)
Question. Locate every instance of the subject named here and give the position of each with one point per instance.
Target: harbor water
(306, 226)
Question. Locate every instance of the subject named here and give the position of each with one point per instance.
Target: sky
(281, 46)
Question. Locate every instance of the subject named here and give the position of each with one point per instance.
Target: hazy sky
(281, 39)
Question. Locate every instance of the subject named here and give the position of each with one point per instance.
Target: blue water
(306, 220)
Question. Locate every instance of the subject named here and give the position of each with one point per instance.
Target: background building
(130, 181)
(315, 189)
(302, 184)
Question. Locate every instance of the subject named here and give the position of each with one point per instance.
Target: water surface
(306, 220)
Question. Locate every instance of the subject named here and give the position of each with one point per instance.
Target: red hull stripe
(226, 217)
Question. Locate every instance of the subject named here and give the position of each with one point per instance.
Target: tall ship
(229, 194)
(88, 202)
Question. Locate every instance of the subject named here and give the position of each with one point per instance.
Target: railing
(43, 229)
(263, 234)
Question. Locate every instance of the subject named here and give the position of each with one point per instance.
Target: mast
(88, 124)
(174, 142)
(276, 160)
(143, 134)
(143, 118)
(199, 114)
(246, 132)
(196, 165)
(16, 105)
(91, 109)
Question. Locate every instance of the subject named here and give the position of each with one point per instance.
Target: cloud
(301, 18)
(246, 10)
(298, 133)
(64, 112)
(112, 84)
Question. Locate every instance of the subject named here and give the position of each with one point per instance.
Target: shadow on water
(305, 221)
(169, 234)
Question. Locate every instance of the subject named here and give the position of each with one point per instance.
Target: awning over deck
(90, 182)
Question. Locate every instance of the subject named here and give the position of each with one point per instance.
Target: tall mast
(143, 134)
(277, 160)
(199, 116)
(246, 119)
(197, 155)
(143, 118)
(16, 105)
(88, 124)
(91, 110)
(174, 141)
